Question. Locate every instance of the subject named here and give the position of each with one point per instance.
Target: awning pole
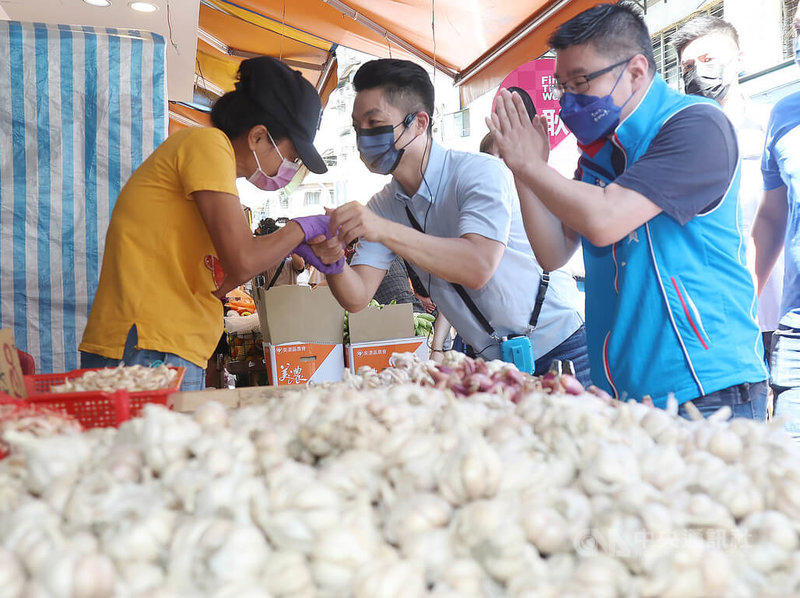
(326, 71)
(203, 83)
(180, 119)
(223, 48)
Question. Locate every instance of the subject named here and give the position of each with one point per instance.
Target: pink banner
(535, 77)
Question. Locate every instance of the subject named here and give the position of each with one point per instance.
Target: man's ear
(739, 60)
(423, 121)
(640, 70)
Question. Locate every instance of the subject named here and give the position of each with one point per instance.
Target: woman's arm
(242, 255)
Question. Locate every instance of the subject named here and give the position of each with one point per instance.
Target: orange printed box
(378, 333)
(302, 330)
(378, 354)
(301, 363)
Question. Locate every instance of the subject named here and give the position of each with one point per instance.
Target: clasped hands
(327, 235)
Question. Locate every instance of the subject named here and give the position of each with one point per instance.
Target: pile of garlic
(35, 421)
(404, 492)
(133, 378)
(465, 376)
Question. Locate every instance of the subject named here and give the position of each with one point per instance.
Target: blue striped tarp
(80, 108)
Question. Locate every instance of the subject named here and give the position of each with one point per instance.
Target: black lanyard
(462, 292)
(277, 273)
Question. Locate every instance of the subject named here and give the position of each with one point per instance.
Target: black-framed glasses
(580, 83)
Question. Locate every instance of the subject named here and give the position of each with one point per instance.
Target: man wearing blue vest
(670, 305)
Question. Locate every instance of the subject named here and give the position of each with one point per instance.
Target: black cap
(286, 95)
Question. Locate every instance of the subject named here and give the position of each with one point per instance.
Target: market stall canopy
(476, 43)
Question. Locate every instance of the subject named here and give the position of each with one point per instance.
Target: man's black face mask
(710, 84)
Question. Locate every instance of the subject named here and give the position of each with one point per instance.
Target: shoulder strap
(462, 292)
(537, 308)
(416, 283)
(277, 273)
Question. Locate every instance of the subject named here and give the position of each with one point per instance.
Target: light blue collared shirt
(466, 193)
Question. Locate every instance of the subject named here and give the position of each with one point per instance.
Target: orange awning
(476, 42)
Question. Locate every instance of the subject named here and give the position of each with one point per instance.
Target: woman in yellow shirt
(178, 238)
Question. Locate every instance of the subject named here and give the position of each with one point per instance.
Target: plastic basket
(95, 409)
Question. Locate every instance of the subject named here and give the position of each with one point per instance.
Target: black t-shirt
(689, 165)
(395, 287)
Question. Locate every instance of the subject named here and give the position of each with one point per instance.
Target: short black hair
(615, 30)
(407, 86)
(702, 26)
(236, 112)
(530, 108)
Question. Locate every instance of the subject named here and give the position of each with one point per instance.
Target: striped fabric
(80, 108)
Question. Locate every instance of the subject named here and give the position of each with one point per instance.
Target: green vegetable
(423, 324)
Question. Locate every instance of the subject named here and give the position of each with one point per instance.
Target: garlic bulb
(613, 467)
(472, 471)
(414, 515)
(433, 548)
(49, 459)
(165, 437)
(138, 578)
(287, 574)
(554, 520)
(337, 554)
(12, 575)
(389, 578)
(211, 416)
(79, 576)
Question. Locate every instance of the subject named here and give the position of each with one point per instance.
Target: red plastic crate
(95, 409)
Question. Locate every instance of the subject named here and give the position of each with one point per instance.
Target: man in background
(710, 58)
(777, 228)
(669, 301)
(396, 287)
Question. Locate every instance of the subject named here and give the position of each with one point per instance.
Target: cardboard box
(301, 363)
(378, 333)
(189, 401)
(11, 380)
(291, 313)
(382, 324)
(378, 354)
(302, 330)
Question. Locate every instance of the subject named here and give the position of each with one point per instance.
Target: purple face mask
(285, 174)
(591, 117)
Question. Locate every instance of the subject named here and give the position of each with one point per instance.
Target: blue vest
(670, 309)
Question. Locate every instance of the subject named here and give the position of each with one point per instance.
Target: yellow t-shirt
(156, 271)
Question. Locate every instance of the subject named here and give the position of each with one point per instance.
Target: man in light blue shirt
(776, 228)
(469, 229)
